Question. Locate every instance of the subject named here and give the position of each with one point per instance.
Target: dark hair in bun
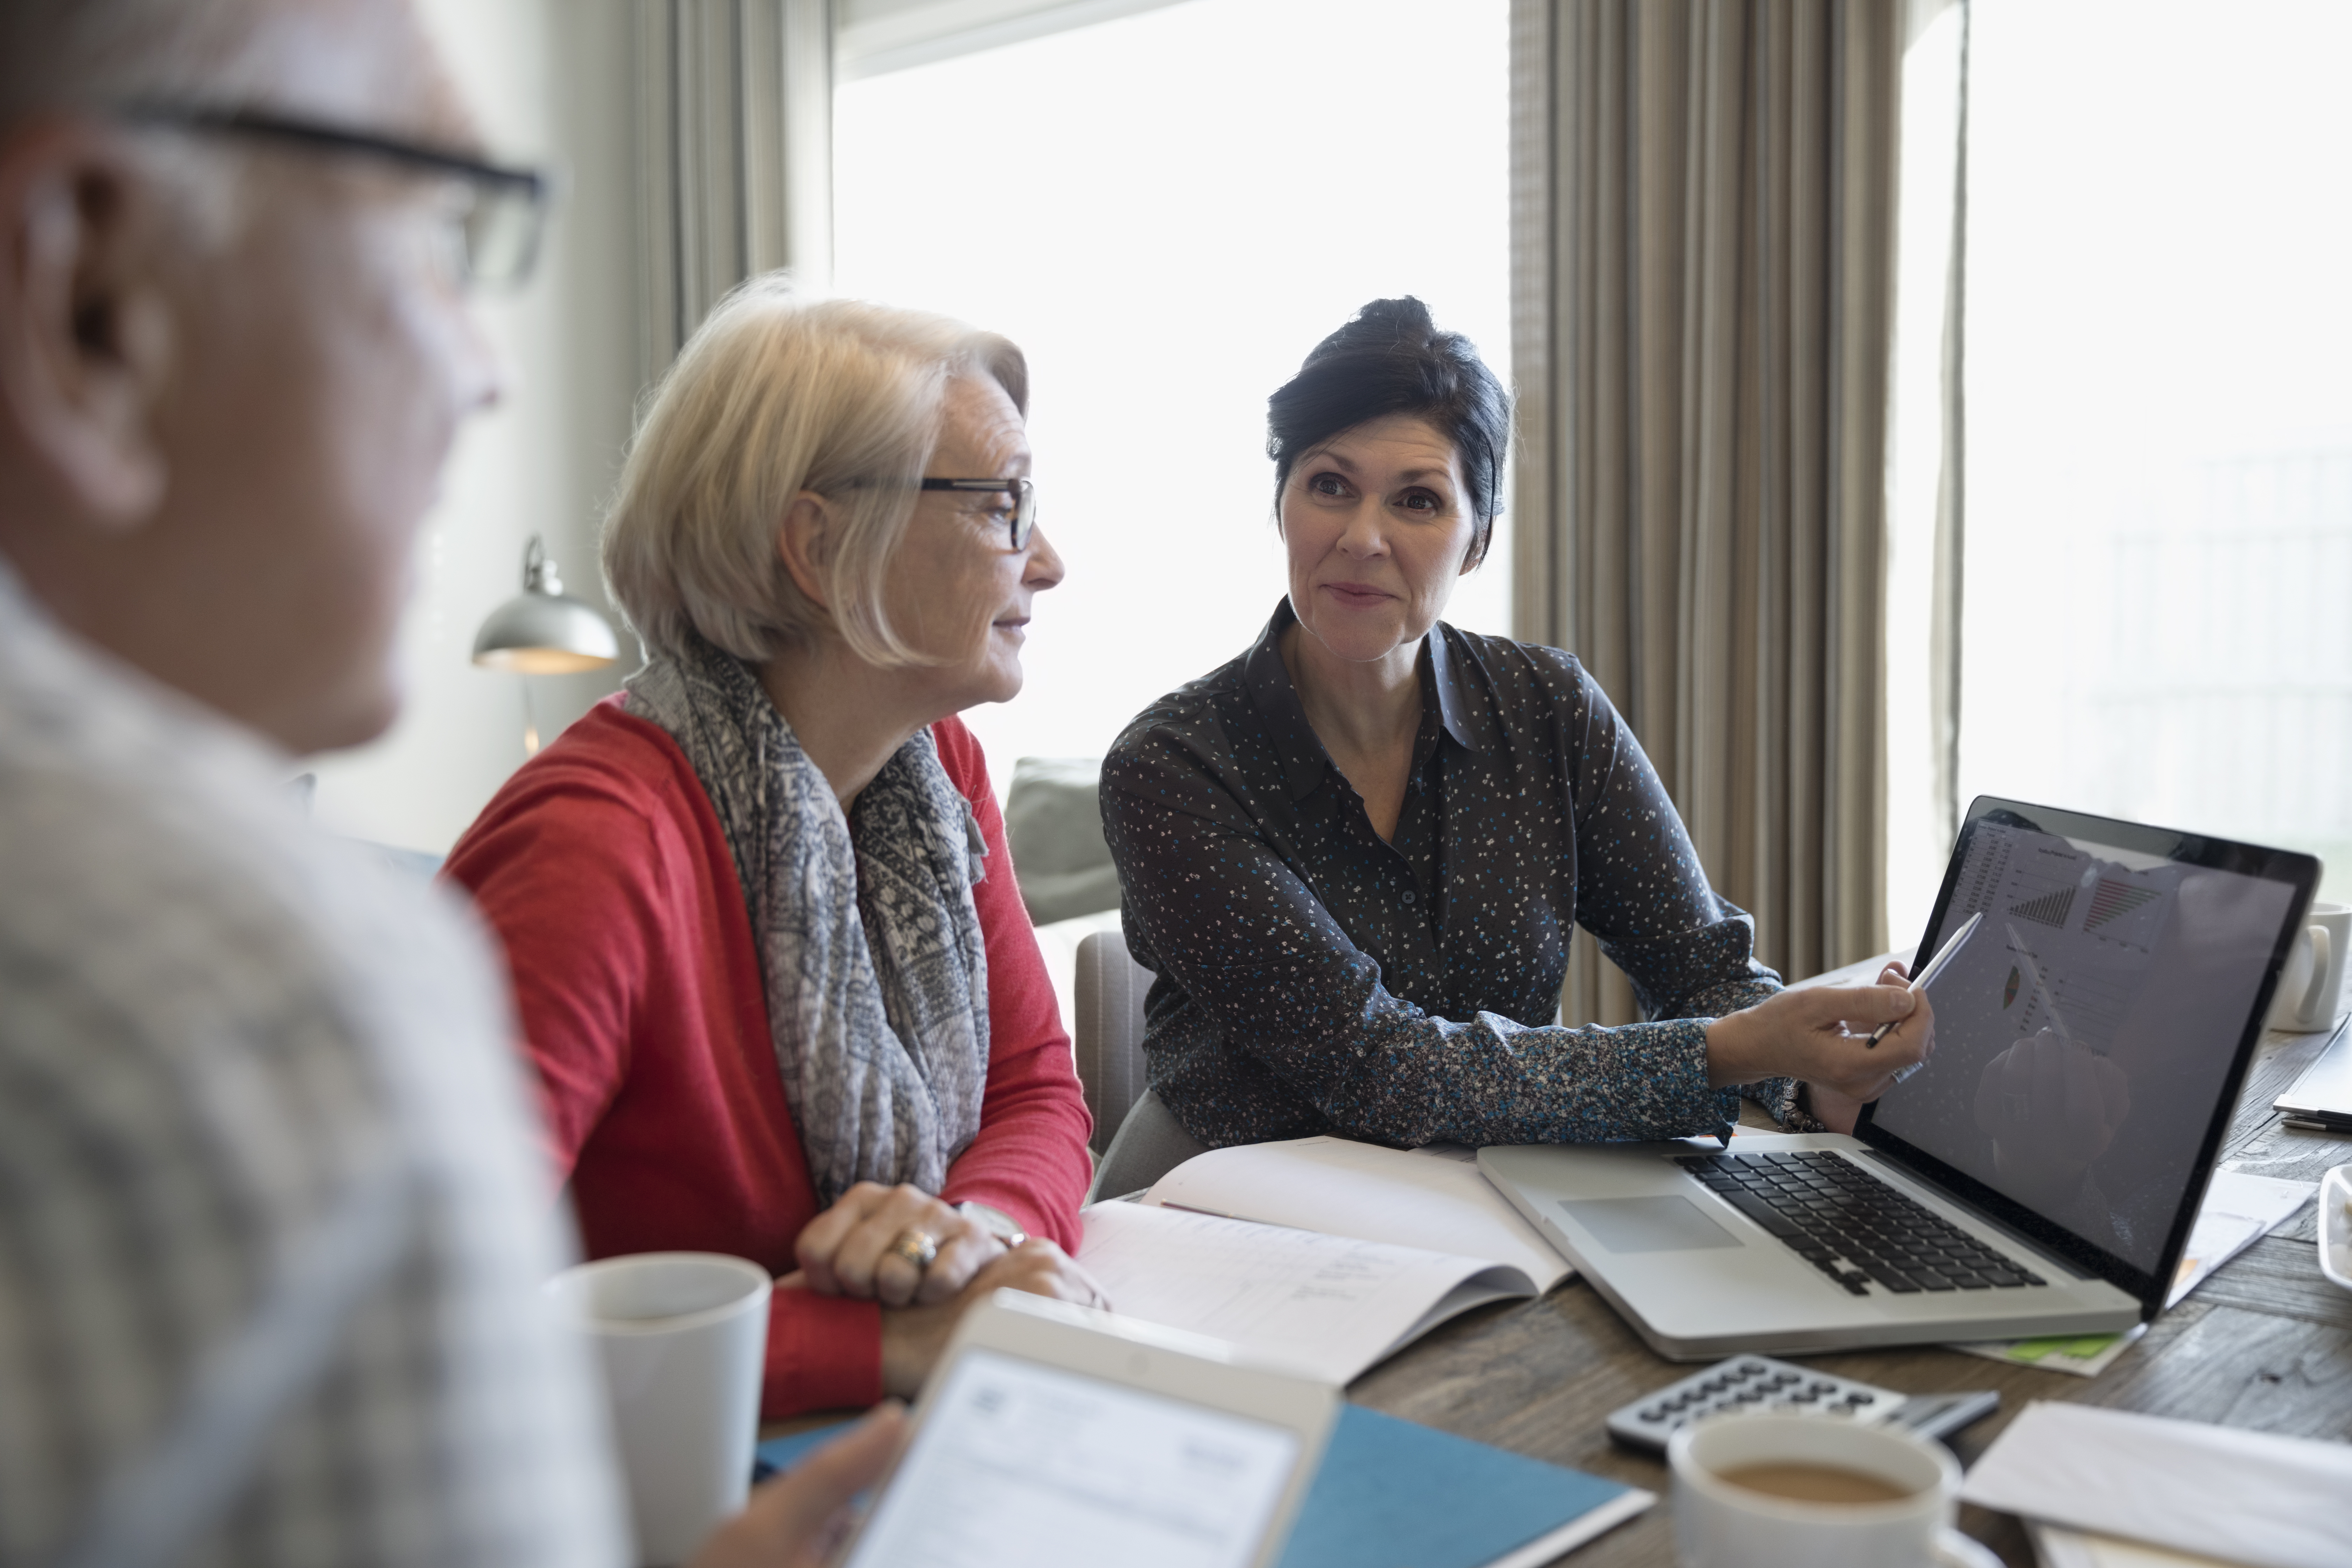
(1391, 359)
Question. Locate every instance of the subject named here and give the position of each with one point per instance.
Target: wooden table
(2265, 1344)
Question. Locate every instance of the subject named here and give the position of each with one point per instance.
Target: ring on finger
(918, 1246)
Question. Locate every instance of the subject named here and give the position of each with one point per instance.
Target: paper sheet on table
(2059, 1548)
(2238, 1210)
(1329, 1305)
(2242, 1496)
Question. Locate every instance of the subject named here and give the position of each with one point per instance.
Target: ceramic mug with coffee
(2311, 986)
(681, 1339)
(1766, 1490)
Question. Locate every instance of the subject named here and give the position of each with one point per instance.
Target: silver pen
(1944, 955)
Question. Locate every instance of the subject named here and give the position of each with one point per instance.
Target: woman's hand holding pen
(1822, 1034)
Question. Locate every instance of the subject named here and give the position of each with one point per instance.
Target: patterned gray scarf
(867, 936)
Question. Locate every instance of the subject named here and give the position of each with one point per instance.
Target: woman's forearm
(1029, 1157)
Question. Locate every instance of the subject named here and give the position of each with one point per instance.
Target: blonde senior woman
(770, 957)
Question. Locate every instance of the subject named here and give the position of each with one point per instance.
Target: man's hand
(798, 1519)
(845, 1250)
(913, 1337)
(1822, 1034)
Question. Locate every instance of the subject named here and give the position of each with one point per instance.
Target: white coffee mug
(682, 1338)
(2311, 986)
(1721, 1525)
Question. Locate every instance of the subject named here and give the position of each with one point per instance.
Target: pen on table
(1934, 967)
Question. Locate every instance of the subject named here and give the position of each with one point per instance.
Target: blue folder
(1392, 1494)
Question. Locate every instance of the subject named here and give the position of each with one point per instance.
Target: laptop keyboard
(1853, 1227)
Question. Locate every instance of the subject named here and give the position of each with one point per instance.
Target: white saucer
(1954, 1550)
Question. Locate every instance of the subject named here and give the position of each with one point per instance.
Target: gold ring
(917, 1246)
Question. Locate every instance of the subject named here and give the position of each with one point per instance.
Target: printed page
(1433, 1199)
(1017, 1463)
(1330, 1306)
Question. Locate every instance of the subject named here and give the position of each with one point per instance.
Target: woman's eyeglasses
(1025, 500)
(496, 225)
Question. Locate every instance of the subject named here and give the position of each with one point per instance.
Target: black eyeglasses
(498, 229)
(1024, 502)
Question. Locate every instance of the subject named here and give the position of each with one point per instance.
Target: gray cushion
(1150, 1143)
(1107, 1031)
(1053, 823)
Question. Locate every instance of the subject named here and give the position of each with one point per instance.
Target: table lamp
(543, 631)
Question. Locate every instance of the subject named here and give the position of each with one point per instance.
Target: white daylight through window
(2158, 618)
(1166, 211)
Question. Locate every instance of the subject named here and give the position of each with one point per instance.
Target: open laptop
(2038, 1175)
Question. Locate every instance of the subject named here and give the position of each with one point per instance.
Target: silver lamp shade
(543, 630)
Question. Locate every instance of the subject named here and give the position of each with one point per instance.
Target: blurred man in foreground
(271, 1233)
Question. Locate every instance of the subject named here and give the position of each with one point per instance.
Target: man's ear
(804, 542)
(85, 329)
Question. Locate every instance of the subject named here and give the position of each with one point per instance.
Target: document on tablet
(1016, 1456)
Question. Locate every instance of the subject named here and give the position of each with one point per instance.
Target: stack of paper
(2211, 1491)
(2072, 1548)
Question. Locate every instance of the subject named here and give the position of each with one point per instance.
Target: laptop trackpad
(1648, 1225)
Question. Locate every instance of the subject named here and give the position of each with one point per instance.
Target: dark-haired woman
(1355, 855)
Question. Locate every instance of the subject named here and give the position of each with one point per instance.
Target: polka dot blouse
(1312, 978)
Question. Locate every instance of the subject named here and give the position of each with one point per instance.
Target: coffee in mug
(1814, 1483)
(1785, 1491)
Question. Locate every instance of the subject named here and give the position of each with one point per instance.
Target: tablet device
(1052, 1434)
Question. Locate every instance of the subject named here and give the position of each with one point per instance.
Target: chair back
(1107, 1035)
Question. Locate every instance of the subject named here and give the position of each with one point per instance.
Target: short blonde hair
(775, 394)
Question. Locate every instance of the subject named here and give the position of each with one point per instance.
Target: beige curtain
(734, 123)
(1704, 195)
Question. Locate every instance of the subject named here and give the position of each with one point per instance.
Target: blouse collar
(1267, 681)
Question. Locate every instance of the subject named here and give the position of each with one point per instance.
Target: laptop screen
(2090, 1029)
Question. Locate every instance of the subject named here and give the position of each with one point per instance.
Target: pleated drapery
(1703, 235)
(734, 122)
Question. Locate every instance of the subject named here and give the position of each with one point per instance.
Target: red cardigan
(603, 869)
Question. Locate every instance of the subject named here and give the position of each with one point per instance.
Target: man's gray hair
(78, 53)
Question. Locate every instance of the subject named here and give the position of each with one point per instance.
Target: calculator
(1760, 1383)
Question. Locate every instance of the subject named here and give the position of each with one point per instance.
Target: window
(1166, 211)
(2158, 549)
